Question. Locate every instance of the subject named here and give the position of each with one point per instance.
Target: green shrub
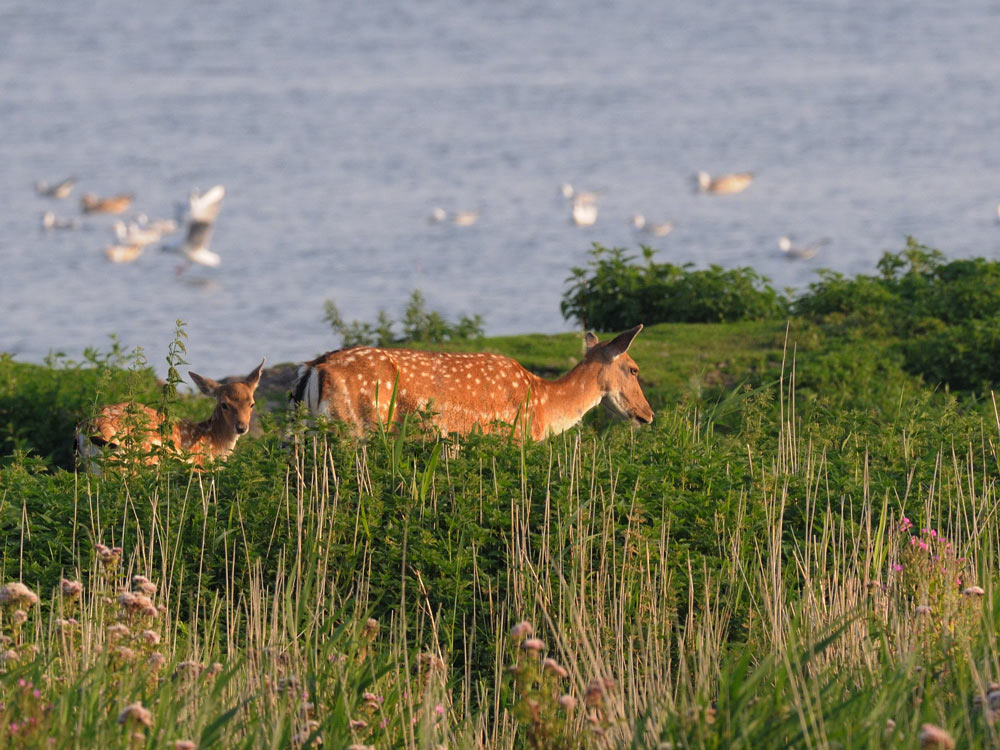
(941, 315)
(612, 293)
(419, 326)
(40, 405)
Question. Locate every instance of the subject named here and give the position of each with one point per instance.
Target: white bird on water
(724, 184)
(465, 218)
(59, 190)
(203, 208)
(143, 232)
(51, 221)
(584, 209)
(800, 252)
(661, 229)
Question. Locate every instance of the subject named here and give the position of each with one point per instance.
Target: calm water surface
(336, 128)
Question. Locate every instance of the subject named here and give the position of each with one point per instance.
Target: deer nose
(241, 428)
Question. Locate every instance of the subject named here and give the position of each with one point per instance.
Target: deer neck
(212, 437)
(560, 404)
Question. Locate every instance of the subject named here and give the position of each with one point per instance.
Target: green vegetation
(943, 318)
(801, 551)
(612, 293)
(419, 326)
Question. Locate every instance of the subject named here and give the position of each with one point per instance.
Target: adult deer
(129, 423)
(465, 391)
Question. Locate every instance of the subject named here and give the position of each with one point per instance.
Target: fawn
(131, 423)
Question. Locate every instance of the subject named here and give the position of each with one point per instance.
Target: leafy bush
(943, 315)
(40, 406)
(613, 293)
(419, 326)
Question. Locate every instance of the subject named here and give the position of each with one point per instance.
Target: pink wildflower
(17, 594)
(522, 630)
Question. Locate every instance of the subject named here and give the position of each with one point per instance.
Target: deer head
(618, 377)
(234, 401)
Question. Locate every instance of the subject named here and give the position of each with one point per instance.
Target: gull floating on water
(143, 232)
(60, 189)
(661, 229)
(51, 221)
(584, 209)
(116, 204)
(724, 184)
(202, 210)
(458, 218)
(465, 218)
(123, 253)
(800, 252)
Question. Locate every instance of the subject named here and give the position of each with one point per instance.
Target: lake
(336, 128)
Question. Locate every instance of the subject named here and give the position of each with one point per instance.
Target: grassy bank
(757, 569)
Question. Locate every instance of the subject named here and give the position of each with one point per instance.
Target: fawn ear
(205, 385)
(254, 377)
(620, 343)
(590, 340)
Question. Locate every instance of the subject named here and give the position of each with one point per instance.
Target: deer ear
(620, 343)
(205, 385)
(254, 377)
(590, 339)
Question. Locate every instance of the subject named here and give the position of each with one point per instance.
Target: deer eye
(634, 370)
(253, 404)
(225, 407)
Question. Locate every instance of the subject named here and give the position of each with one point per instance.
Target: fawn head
(233, 401)
(618, 377)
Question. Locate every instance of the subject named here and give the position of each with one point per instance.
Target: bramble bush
(612, 293)
(419, 326)
(944, 317)
(40, 405)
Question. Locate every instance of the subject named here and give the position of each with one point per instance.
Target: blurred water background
(337, 127)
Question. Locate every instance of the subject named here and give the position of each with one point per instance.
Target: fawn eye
(634, 370)
(253, 404)
(225, 407)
